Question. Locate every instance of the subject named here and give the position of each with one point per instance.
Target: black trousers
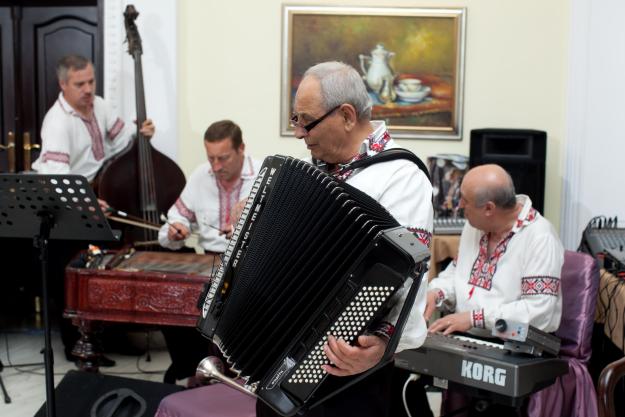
(367, 398)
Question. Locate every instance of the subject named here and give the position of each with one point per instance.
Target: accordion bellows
(310, 256)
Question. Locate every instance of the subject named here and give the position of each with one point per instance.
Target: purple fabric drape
(215, 400)
(573, 394)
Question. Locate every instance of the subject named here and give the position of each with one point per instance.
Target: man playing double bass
(79, 134)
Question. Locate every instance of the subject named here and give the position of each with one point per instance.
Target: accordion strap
(389, 155)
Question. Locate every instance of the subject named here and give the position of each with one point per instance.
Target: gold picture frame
(411, 59)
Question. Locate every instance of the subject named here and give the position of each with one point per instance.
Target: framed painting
(411, 61)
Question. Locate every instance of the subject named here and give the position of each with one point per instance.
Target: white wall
(596, 113)
(157, 26)
(516, 74)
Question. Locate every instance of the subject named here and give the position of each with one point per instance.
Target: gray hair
(503, 196)
(341, 83)
(71, 62)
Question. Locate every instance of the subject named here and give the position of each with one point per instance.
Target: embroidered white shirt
(72, 144)
(519, 282)
(204, 206)
(405, 191)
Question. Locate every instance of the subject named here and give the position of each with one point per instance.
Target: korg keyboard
(485, 369)
(449, 225)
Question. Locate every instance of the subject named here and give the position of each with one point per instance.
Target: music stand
(50, 207)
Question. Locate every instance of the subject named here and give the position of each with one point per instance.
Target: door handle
(27, 147)
(10, 148)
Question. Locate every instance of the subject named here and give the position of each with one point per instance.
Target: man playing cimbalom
(205, 206)
(212, 191)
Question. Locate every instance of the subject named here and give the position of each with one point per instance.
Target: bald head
(490, 183)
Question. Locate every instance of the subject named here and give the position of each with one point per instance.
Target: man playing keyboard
(508, 265)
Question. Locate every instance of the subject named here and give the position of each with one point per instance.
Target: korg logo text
(485, 373)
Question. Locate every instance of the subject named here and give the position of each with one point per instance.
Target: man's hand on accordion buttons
(351, 360)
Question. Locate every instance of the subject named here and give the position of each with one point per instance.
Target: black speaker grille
(521, 152)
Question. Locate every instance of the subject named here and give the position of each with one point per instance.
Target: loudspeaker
(521, 152)
(78, 392)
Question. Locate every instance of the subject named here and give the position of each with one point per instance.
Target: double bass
(130, 181)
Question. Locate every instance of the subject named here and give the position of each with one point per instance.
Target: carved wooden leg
(86, 349)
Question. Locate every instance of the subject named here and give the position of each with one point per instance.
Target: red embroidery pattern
(226, 201)
(117, 127)
(344, 175)
(423, 235)
(378, 144)
(531, 216)
(477, 318)
(97, 146)
(540, 286)
(56, 156)
(385, 330)
(483, 268)
(185, 211)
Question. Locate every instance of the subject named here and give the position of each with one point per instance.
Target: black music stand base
(41, 242)
(7, 399)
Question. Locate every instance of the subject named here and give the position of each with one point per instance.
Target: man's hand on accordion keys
(351, 360)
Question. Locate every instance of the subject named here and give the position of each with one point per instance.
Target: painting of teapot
(376, 69)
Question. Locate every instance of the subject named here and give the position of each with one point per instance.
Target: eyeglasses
(310, 126)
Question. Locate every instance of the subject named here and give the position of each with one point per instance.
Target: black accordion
(310, 256)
